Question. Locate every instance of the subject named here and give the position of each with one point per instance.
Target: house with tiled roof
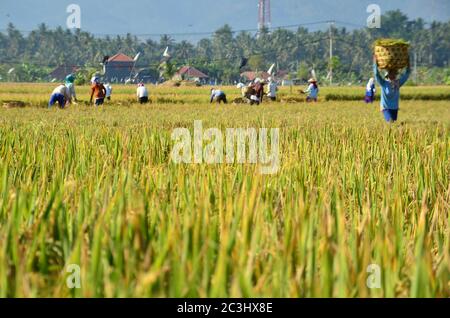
(251, 76)
(190, 73)
(118, 68)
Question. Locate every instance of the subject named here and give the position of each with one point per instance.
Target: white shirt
(142, 91)
(108, 90)
(63, 90)
(272, 89)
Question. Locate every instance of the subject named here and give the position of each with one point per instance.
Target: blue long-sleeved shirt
(390, 91)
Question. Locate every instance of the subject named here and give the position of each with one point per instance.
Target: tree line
(220, 56)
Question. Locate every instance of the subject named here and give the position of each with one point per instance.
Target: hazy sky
(186, 16)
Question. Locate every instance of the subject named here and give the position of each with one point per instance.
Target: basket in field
(13, 104)
(240, 100)
(391, 54)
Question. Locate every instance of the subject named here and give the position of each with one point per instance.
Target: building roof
(62, 71)
(282, 74)
(253, 75)
(191, 72)
(120, 57)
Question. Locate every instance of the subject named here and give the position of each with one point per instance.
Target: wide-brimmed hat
(312, 80)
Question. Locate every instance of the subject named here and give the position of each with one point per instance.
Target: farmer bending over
(142, 94)
(259, 89)
(249, 93)
(218, 96)
(61, 94)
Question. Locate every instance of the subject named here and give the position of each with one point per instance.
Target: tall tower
(264, 16)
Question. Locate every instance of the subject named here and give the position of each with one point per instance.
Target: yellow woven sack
(391, 54)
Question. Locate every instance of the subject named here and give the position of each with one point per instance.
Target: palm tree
(165, 41)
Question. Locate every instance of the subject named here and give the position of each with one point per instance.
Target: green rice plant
(96, 187)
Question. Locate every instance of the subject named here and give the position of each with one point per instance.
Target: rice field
(37, 94)
(358, 208)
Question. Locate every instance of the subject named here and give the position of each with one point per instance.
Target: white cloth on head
(370, 85)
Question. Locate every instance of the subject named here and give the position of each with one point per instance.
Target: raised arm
(378, 76)
(405, 76)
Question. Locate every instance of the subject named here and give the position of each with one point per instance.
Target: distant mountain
(190, 16)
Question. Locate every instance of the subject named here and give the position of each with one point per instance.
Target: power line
(289, 26)
(350, 24)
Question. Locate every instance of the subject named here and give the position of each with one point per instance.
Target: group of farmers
(390, 91)
(252, 93)
(65, 93)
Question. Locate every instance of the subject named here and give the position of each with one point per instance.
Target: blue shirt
(390, 90)
(313, 91)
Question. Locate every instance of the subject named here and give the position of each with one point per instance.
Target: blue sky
(182, 16)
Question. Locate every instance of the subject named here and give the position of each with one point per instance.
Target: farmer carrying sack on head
(392, 56)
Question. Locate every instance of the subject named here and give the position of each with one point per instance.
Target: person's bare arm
(74, 93)
(92, 95)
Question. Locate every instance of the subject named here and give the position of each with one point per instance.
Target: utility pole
(331, 52)
(415, 68)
